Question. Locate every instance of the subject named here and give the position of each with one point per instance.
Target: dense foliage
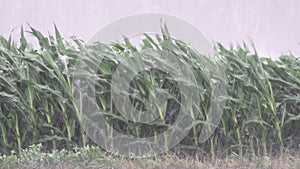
(260, 116)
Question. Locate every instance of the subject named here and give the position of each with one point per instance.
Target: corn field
(260, 117)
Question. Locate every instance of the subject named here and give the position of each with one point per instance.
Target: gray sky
(273, 25)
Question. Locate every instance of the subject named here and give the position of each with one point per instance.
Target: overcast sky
(273, 25)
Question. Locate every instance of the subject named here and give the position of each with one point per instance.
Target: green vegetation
(260, 116)
(92, 157)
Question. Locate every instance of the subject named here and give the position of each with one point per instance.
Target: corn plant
(38, 85)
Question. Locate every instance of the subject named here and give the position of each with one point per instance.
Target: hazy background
(273, 25)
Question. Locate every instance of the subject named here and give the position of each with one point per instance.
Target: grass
(93, 157)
